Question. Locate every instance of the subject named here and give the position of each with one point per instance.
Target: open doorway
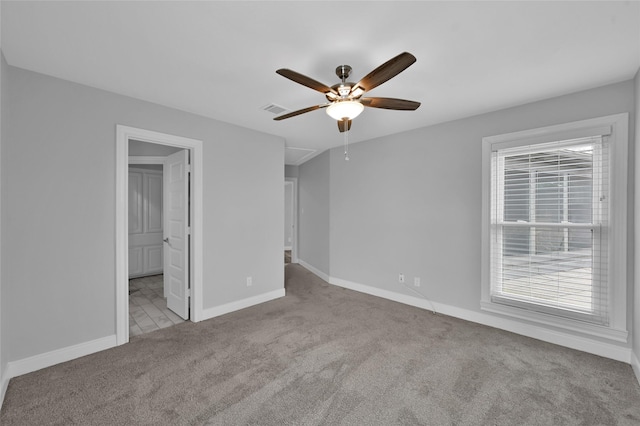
(148, 307)
(147, 303)
(290, 220)
(183, 234)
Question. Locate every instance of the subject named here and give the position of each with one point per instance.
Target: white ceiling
(218, 59)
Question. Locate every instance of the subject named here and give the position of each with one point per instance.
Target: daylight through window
(549, 219)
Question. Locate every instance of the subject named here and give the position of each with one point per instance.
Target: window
(548, 227)
(548, 209)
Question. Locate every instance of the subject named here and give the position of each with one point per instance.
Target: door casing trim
(123, 135)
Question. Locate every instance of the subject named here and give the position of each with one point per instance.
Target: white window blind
(549, 228)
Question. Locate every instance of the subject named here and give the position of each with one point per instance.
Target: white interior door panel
(176, 235)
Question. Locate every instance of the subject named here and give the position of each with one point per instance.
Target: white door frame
(294, 219)
(123, 135)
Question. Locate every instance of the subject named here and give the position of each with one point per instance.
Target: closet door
(145, 222)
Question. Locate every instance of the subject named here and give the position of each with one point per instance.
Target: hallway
(147, 306)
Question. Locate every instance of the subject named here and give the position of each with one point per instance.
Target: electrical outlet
(401, 278)
(249, 281)
(416, 281)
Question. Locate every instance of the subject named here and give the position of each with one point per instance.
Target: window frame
(617, 230)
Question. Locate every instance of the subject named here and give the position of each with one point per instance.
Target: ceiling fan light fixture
(345, 109)
(357, 92)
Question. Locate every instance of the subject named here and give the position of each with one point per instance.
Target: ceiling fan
(345, 99)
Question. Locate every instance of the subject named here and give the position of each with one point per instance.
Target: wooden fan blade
(386, 71)
(305, 81)
(300, 111)
(344, 125)
(390, 103)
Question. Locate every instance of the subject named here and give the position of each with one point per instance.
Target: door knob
(166, 240)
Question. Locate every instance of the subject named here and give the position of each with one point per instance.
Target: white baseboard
(385, 294)
(635, 363)
(573, 341)
(37, 362)
(566, 339)
(314, 270)
(216, 311)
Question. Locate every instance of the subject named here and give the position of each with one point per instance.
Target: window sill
(567, 324)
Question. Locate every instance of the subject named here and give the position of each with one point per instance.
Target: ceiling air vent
(276, 109)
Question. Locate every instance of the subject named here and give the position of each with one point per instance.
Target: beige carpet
(325, 355)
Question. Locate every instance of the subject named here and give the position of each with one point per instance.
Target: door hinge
(188, 230)
(188, 168)
(187, 293)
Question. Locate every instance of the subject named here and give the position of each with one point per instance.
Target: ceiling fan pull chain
(346, 145)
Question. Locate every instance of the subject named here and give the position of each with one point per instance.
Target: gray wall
(411, 202)
(139, 148)
(290, 171)
(636, 311)
(3, 322)
(58, 209)
(314, 212)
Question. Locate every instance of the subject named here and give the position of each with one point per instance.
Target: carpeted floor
(324, 355)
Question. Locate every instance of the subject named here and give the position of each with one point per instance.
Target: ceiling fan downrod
(343, 72)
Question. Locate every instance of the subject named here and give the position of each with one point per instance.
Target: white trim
(123, 135)
(294, 219)
(618, 127)
(47, 359)
(600, 126)
(385, 294)
(237, 305)
(137, 159)
(569, 324)
(314, 270)
(635, 364)
(584, 344)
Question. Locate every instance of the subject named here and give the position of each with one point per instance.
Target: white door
(176, 234)
(145, 222)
